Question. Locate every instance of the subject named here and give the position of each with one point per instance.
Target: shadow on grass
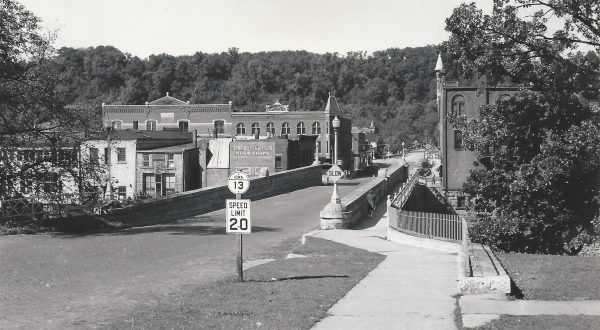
(200, 230)
(515, 291)
(306, 277)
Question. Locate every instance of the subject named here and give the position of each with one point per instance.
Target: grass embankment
(284, 294)
(553, 277)
(542, 322)
(550, 277)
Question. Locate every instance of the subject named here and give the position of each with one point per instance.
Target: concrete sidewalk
(413, 288)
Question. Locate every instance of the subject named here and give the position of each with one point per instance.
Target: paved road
(62, 281)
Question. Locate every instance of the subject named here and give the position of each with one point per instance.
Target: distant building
(220, 120)
(457, 100)
(168, 170)
(360, 147)
(126, 161)
(170, 114)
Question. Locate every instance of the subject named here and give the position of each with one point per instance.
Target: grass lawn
(543, 322)
(283, 294)
(553, 277)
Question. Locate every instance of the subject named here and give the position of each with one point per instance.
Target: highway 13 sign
(238, 220)
(238, 182)
(335, 173)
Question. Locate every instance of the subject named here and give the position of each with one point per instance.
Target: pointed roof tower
(332, 105)
(439, 66)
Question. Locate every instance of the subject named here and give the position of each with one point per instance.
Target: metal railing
(431, 225)
(405, 191)
(48, 206)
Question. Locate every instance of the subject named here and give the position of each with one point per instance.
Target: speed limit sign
(238, 183)
(238, 220)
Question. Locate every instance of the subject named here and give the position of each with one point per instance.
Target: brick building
(169, 113)
(460, 100)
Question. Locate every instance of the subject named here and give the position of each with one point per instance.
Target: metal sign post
(240, 258)
(238, 220)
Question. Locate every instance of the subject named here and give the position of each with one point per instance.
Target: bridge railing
(405, 191)
(48, 206)
(431, 225)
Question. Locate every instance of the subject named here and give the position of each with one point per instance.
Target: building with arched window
(285, 129)
(240, 129)
(221, 120)
(280, 121)
(300, 129)
(456, 100)
(255, 128)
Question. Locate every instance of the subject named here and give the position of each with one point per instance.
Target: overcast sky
(182, 27)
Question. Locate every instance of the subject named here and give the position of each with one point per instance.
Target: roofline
(166, 105)
(485, 88)
(283, 112)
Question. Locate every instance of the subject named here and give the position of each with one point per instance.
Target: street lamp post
(336, 125)
(332, 216)
(316, 161)
(403, 154)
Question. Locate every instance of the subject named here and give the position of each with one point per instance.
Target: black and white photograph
(300, 164)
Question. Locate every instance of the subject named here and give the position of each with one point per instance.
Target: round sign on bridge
(238, 183)
(335, 173)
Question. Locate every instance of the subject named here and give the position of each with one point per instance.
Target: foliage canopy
(533, 186)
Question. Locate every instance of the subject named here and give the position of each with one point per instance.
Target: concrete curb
(493, 277)
(311, 233)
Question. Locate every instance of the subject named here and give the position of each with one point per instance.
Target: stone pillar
(332, 216)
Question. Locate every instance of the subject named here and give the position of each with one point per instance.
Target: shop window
(149, 185)
(169, 183)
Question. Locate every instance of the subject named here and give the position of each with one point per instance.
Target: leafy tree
(38, 135)
(538, 152)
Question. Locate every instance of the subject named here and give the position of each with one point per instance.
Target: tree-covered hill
(394, 87)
